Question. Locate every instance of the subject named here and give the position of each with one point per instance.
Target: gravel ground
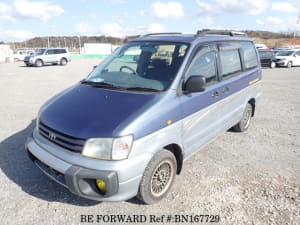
(246, 178)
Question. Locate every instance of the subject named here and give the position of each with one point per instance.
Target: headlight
(108, 148)
(282, 59)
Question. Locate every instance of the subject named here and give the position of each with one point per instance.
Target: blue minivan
(127, 128)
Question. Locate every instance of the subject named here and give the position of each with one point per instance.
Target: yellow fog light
(101, 185)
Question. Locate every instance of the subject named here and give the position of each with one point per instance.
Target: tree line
(74, 42)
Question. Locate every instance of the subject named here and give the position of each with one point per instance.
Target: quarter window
(204, 64)
(249, 55)
(230, 62)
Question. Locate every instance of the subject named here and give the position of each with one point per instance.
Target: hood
(282, 57)
(85, 111)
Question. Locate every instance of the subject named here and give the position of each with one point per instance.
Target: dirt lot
(248, 178)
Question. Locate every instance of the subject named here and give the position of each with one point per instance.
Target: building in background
(5, 53)
(98, 48)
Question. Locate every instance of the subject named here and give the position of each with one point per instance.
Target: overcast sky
(24, 19)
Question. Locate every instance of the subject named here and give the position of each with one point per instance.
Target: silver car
(52, 56)
(127, 128)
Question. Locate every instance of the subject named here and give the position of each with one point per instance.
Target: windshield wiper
(100, 84)
(142, 89)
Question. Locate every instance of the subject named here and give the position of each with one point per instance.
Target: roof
(188, 38)
(184, 38)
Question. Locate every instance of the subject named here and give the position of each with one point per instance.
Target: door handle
(215, 94)
(226, 89)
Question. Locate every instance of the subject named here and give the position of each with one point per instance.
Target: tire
(272, 65)
(63, 62)
(158, 177)
(289, 64)
(39, 63)
(244, 123)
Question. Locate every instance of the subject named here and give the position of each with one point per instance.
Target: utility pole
(65, 42)
(79, 45)
(48, 43)
(295, 40)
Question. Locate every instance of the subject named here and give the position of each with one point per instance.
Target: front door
(200, 110)
(297, 59)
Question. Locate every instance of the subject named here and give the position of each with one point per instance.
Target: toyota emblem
(52, 136)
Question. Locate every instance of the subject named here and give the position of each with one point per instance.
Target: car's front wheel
(39, 63)
(289, 64)
(158, 177)
(272, 65)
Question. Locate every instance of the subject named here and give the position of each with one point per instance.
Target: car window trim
(212, 48)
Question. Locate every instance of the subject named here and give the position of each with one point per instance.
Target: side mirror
(94, 67)
(194, 84)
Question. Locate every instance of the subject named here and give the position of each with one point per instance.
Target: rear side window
(50, 52)
(230, 62)
(60, 51)
(249, 55)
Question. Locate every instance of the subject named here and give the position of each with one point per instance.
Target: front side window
(141, 66)
(249, 55)
(40, 51)
(204, 64)
(230, 62)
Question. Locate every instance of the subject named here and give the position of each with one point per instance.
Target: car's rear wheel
(289, 64)
(272, 65)
(39, 63)
(63, 62)
(158, 177)
(244, 123)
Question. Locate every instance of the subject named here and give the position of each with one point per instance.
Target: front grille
(265, 60)
(63, 140)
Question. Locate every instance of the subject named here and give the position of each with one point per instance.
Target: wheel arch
(39, 59)
(252, 103)
(177, 151)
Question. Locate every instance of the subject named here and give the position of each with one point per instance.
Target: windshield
(141, 66)
(285, 53)
(266, 54)
(40, 51)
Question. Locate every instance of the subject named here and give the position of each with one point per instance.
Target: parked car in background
(18, 56)
(261, 46)
(288, 58)
(52, 56)
(267, 58)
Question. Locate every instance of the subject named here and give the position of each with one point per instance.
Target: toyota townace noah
(127, 128)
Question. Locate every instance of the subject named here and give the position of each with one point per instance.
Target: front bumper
(78, 173)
